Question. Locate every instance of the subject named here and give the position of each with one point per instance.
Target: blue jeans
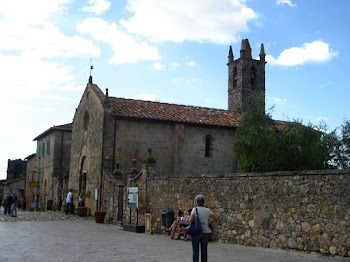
(69, 208)
(201, 240)
(7, 209)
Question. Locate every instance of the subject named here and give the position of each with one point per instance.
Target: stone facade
(16, 185)
(306, 211)
(246, 77)
(32, 182)
(86, 171)
(52, 166)
(178, 148)
(15, 168)
(15, 180)
(111, 140)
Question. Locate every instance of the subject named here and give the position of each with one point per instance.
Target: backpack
(9, 199)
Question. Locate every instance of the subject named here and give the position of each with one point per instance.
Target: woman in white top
(207, 217)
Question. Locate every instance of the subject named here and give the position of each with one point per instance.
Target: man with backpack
(8, 203)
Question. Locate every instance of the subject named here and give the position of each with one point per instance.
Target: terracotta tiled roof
(65, 127)
(139, 109)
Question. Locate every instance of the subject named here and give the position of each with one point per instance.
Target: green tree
(263, 144)
(339, 145)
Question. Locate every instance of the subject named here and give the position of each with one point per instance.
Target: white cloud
(126, 48)
(183, 64)
(286, 2)
(31, 30)
(277, 100)
(320, 119)
(27, 76)
(158, 66)
(34, 12)
(314, 52)
(192, 63)
(97, 7)
(189, 20)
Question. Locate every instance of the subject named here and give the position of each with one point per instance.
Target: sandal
(178, 238)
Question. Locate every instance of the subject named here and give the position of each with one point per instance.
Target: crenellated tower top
(246, 77)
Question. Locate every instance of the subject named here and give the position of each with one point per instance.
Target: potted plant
(100, 216)
(81, 211)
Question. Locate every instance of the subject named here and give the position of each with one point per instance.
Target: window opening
(48, 147)
(208, 145)
(86, 120)
(43, 149)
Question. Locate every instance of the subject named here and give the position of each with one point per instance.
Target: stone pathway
(40, 216)
(70, 238)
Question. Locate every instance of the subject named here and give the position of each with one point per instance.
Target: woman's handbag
(195, 228)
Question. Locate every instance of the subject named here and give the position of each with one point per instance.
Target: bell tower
(246, 77)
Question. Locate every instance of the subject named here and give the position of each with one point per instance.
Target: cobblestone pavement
(40, 216)
(53, 237)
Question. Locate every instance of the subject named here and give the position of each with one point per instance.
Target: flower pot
(81, 211)
(100, 216)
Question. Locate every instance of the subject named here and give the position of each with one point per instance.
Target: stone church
(113, 137)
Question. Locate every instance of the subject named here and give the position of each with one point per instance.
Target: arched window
(208, 146)
(234, 76)
(86, 120)
(252, 75)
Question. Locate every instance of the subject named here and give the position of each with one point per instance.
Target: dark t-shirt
(9, 199)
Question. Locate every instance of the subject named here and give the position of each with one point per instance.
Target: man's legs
(8, 209)
(68, 208)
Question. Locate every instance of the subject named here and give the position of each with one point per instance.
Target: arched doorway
(82, 181)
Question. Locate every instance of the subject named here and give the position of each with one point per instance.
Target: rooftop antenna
(91, 67)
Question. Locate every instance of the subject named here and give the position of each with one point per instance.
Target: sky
(167, 51)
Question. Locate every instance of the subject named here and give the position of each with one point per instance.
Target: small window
(43, 149)
(252, 76)
(234, 76)
(86, 120)
(48, 146)
(208, 145)
(38, 152)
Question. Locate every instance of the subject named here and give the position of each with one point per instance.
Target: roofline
(155, 120)
(30, 156)
(64, 127)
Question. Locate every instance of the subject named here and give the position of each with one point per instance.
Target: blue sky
(169, 51)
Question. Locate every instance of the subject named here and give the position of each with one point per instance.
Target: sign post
(133, 202)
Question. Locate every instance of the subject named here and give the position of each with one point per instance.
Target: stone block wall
(87, 142)
(306, 211)
(176, 147)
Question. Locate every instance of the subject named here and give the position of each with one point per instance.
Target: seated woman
(182, 224)
(175, 224)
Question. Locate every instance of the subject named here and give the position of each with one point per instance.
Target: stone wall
(86, 150)
(307, 211)
(176, 147)
(31, 176)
